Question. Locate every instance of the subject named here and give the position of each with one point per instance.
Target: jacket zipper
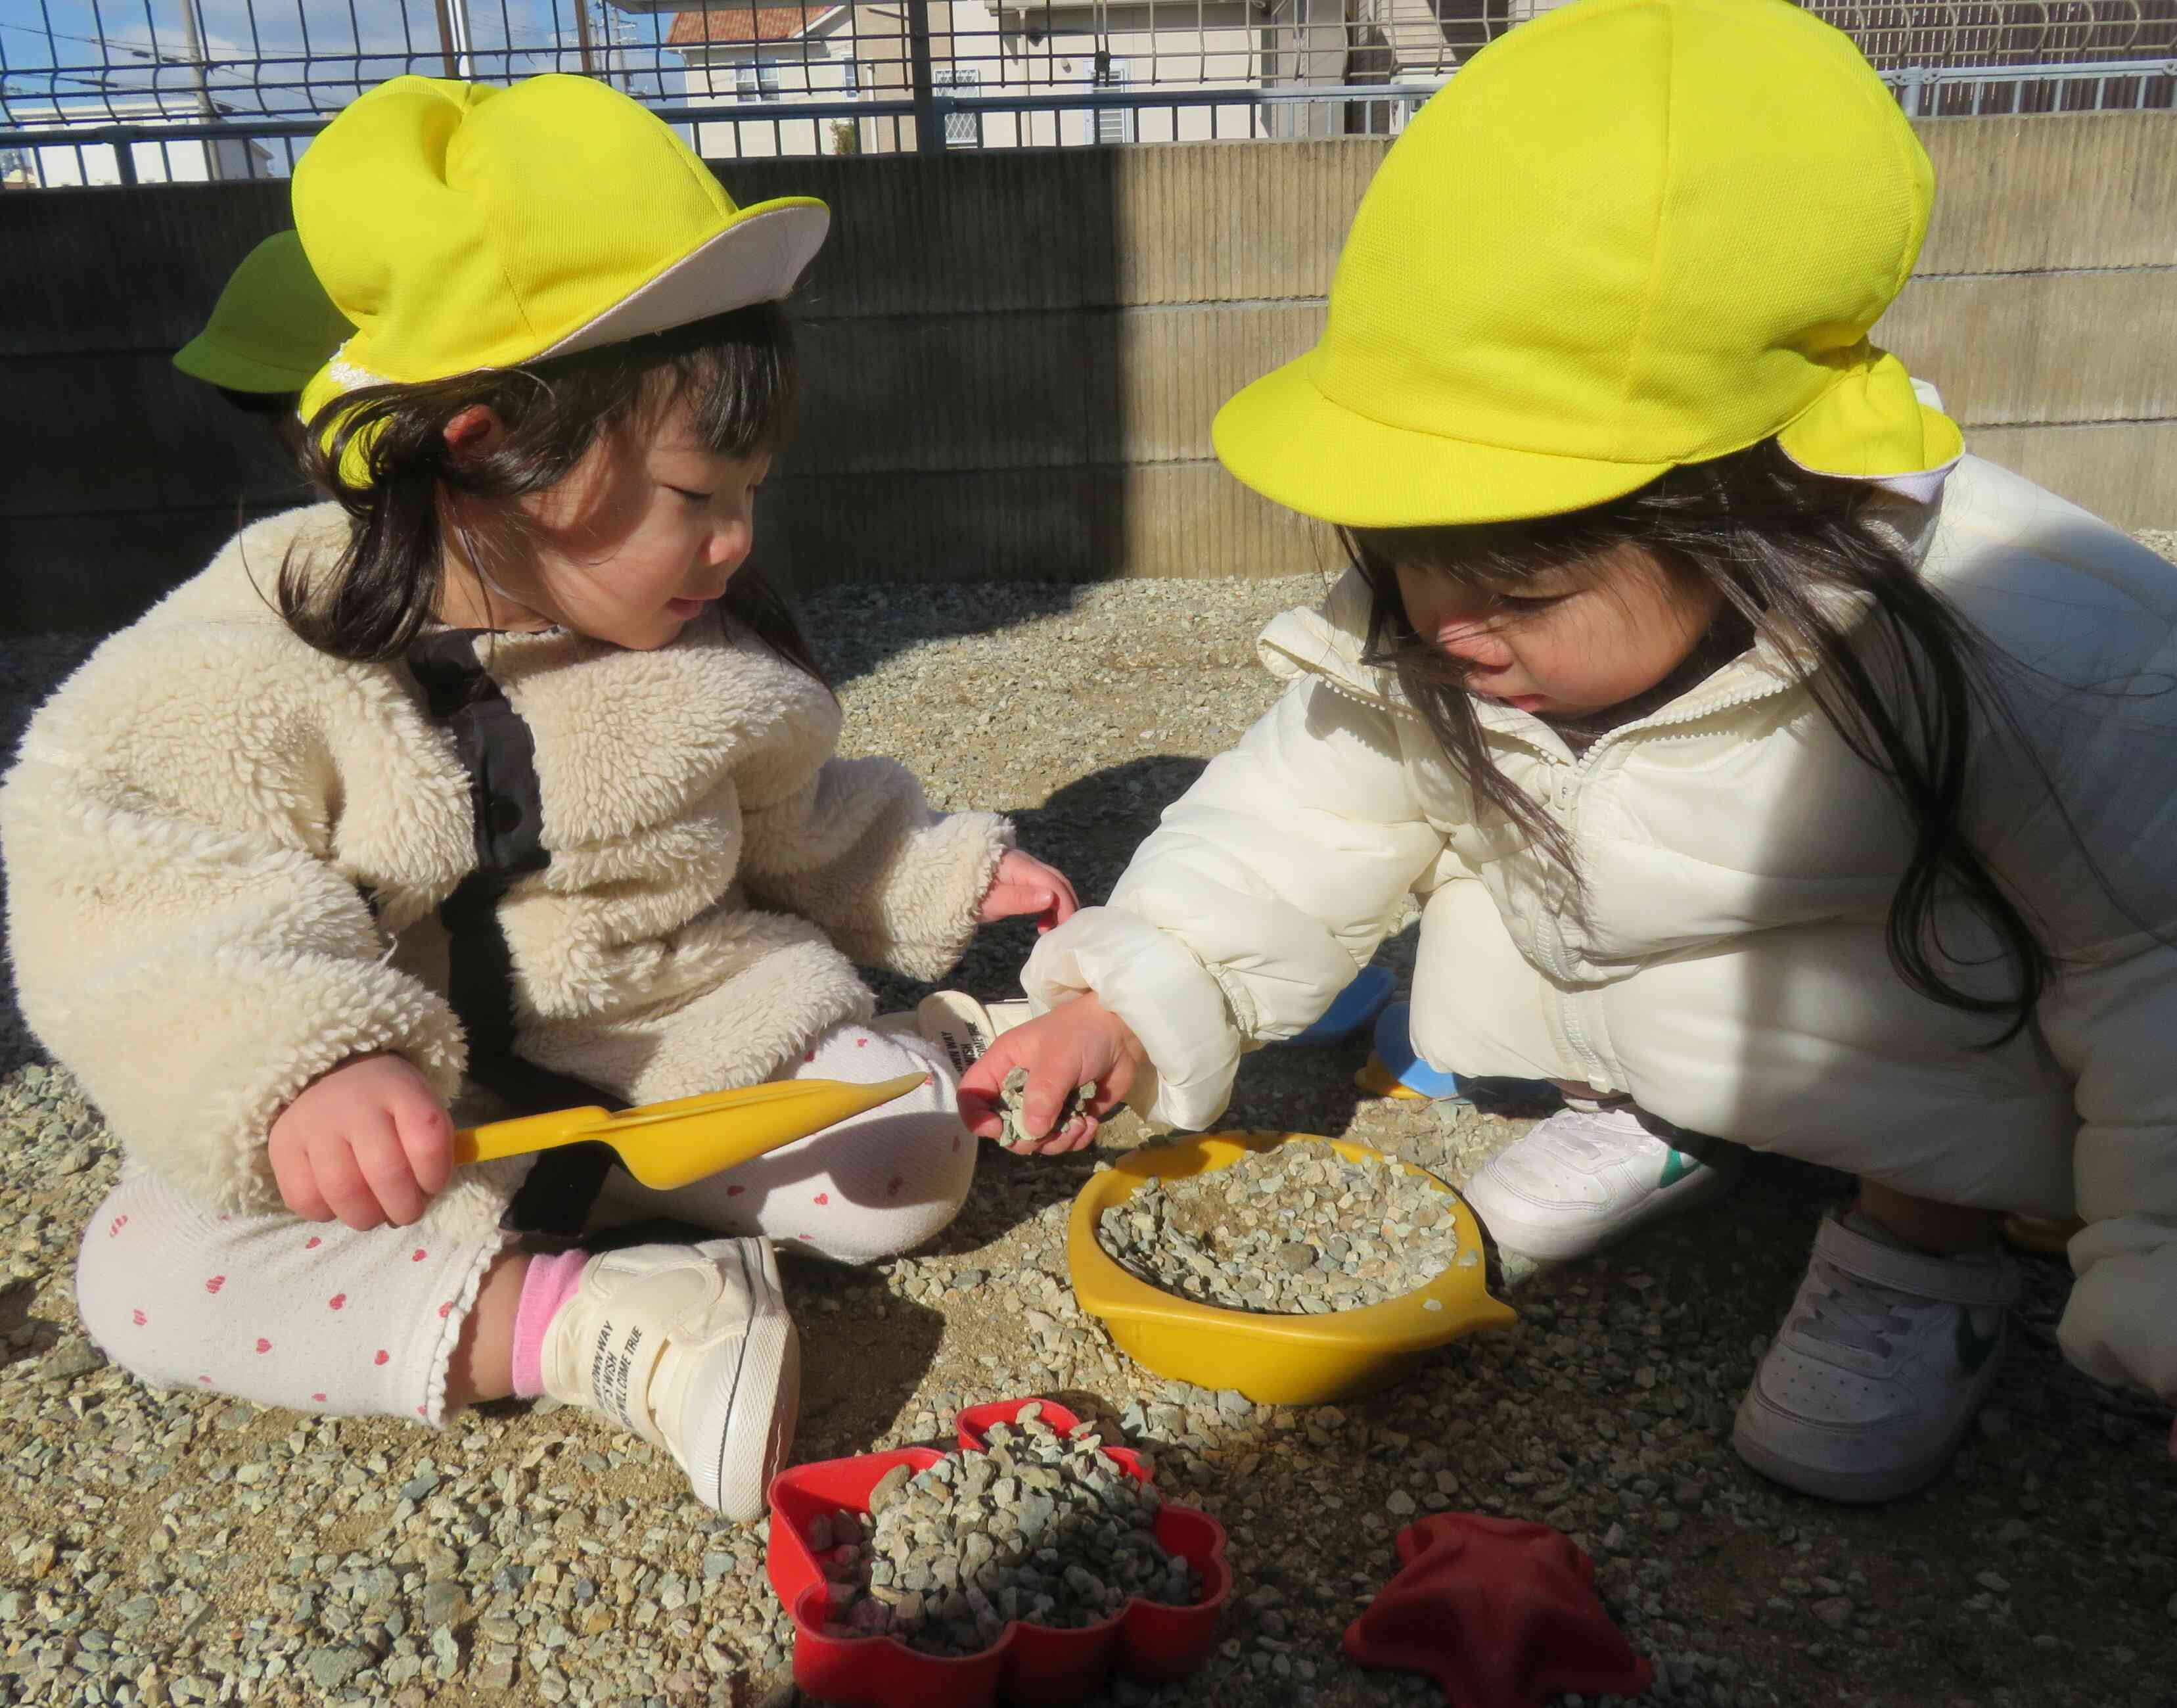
(1565, 789)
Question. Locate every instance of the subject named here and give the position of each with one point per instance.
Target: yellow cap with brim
(1630, 235)
(463, 227)
(272, 327)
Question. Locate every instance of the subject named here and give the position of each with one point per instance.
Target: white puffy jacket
(1727, 968)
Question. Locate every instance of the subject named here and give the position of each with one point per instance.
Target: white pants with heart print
(314, 1317)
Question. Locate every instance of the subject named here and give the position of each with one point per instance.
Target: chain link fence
(129, 91)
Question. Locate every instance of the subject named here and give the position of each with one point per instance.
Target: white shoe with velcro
(1875, 1376)
(691, 1348)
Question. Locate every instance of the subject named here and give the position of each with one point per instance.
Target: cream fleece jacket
(226, 850)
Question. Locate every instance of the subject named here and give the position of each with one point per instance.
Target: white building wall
(785, 75)
(1194, 46)
(182, 162)
(975, 51)
(1209, 45)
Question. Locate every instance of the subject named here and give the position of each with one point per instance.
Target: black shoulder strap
(499, 754)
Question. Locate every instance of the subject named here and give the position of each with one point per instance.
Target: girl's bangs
(1488, 557)
(735, 374)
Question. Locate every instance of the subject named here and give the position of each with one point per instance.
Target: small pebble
(331, 1669)
(442, 1602)
(1833, 1611)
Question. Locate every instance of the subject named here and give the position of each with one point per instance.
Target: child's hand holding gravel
(1081, 1044)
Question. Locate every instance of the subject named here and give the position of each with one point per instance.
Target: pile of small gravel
(1041, 1527)
(1297, 1231)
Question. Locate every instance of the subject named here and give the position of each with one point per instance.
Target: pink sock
(549, 1283)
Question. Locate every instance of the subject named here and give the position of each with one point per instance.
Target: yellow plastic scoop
(670, 1144)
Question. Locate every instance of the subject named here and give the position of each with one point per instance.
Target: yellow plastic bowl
(1273, 1360)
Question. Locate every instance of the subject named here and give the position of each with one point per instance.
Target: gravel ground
(159, 1549)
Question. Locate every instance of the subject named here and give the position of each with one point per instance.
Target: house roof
(738, 21)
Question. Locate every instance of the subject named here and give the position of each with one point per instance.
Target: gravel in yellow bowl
(1274, 1360)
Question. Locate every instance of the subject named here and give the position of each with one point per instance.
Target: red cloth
(1500, 1612)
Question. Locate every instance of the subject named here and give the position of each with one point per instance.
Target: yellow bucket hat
(1630, 235)
(461, 225)
(273, 326)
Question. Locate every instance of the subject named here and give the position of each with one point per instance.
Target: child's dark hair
(1778, 543)
(735, 373)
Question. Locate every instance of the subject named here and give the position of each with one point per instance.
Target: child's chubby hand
(367, 1143)
(1077, 1045)
(1022, 884)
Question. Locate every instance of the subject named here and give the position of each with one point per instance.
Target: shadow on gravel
(854, 628)
(1088, 829)
(1011, 1190)
(15, 1317)
(859, 1369)
(1092, 826)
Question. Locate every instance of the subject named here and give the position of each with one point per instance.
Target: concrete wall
(1013, 358)
(2045, 301)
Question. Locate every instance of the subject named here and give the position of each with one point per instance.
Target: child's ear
(474, 430)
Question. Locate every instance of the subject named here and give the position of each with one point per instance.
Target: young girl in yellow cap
(1770, 768)
(500, 767)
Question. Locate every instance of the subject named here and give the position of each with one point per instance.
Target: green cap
(273, 326)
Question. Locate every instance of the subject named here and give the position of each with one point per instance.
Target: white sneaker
(691, 1348)
(1874, 1378)
(1586, 1176)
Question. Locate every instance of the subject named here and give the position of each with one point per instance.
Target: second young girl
(500, 768)
(1770, 768)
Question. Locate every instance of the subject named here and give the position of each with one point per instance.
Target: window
(756, 82)
(1111, 124)
(961, 130)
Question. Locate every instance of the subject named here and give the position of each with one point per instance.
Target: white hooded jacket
(1725, 964)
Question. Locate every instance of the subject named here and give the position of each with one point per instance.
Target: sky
(293, 58)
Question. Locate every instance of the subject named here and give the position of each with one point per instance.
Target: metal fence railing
(123, 91)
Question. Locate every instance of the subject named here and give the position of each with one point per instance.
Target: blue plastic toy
(1351, 1009)
(1393, 1070)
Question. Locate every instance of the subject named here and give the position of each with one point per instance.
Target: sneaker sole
(763, 1397)
(1514, 1228)
(1850, 1488)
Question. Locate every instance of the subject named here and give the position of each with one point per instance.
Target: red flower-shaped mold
(1030, 1664)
